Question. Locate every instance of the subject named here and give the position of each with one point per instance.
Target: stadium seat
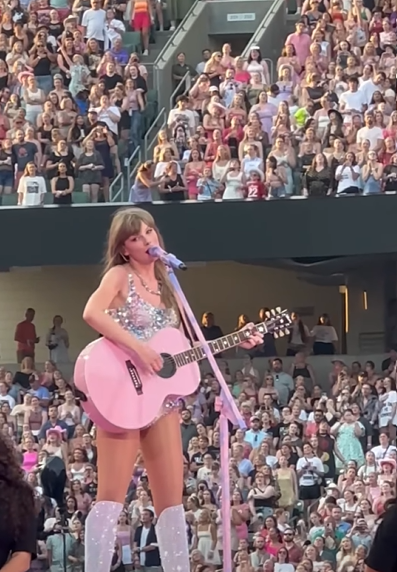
(78, 197)
(9, 200)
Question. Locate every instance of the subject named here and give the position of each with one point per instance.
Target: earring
(124, 257)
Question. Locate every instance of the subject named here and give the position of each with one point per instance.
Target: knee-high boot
(100, 535)
(172, 540)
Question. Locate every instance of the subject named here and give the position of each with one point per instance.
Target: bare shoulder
(115, 276)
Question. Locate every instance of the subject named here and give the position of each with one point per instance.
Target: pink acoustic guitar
(118, 396)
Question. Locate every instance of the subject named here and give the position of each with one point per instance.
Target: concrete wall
(228, 289)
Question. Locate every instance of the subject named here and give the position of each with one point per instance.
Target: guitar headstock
(278, 323)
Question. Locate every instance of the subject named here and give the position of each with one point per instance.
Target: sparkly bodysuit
(143, 320)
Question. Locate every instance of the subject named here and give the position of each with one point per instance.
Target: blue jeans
(135, 130)
(45, 82)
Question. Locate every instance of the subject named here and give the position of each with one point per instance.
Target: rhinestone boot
(172, 540)
(100, 535)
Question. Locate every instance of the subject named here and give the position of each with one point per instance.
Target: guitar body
(119, 396)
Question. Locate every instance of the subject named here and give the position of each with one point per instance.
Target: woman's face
(136, 246)
(76, 487)
(346, 544)
(70, 503)
(207, 497)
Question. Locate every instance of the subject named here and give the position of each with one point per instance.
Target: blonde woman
(287, 484)
(34, 98)
(249, 139)
(54, 445)
(214, 69)
(90, 166)
(32, 187)
(163, 142)
(221, 162)
(206, 538)
(372, 173)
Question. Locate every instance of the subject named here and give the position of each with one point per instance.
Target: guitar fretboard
(218, 346)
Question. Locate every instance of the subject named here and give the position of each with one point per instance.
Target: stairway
(161, 38)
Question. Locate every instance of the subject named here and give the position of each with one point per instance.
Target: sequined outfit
(143, 320)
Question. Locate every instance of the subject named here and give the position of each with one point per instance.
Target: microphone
(166, 257)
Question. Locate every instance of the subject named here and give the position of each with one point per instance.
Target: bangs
(131, 223)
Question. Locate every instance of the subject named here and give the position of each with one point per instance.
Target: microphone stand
(228, 411)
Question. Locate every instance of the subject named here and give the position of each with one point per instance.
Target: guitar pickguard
(134, 375)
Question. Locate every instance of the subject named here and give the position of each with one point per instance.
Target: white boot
(100, 535)
(172, 540)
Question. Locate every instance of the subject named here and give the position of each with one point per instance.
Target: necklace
(144, 284)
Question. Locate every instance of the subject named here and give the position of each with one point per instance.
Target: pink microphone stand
(228, 412)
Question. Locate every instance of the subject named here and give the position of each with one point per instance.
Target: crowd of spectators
(72, 96)
(324, 124)
(310, 477)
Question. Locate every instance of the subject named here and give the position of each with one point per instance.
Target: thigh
(161, 446)
(116, 457)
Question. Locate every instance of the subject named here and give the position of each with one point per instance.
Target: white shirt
(373, 134)
(103, 115)
(10, 400)
(185, 116)
(113, 34)
(308, 478)
(384, 416)
(142, 544)
(368, 88)
(353, 100)
(347, 178)
(383, 452)
(94, 22)
(32, 189)
(324, 334)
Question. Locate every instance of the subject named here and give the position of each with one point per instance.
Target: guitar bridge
(136, 380)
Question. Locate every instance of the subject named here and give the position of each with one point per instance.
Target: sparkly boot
(100, 535)
(172, 540)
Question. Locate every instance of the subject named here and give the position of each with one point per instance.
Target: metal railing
(186, 79)
(128, 163)
(160, 57)
(148, 142)
(160, 119)
(114, 194)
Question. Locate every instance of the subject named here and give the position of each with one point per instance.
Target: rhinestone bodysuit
(143, 320)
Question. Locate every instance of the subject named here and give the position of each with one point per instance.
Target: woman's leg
(116, 456)
(161, 447)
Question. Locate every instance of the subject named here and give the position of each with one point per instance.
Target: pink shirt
(301, 43)
(29, 460)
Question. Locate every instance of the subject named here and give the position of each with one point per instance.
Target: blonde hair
(127, 222)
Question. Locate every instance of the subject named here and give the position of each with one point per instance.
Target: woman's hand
(151, 361)
(255, 338)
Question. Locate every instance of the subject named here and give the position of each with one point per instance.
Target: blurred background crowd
(319, 121)
(309, 477)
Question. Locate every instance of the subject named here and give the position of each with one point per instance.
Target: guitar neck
(217, 346)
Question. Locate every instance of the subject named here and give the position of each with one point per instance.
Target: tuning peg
(278, 310)
(273, 312)
(286, 331)
(281, 334)
(268, 314)
(275, 335)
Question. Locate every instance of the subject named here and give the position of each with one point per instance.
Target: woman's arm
(71, 185)
(111, 286)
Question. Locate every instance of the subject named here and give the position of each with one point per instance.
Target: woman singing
(17, 513)
(134, 301)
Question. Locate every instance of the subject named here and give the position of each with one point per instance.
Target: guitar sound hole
(169, 367)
